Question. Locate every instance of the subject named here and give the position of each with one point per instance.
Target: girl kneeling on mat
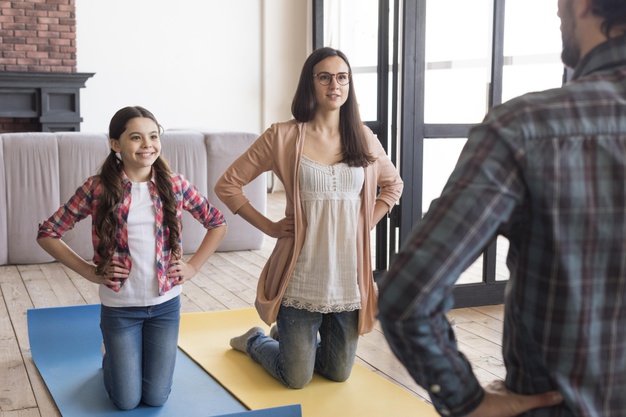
(136, 204)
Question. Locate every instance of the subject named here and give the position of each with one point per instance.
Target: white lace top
(325, 276)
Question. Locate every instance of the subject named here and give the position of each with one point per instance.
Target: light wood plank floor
(227, 281)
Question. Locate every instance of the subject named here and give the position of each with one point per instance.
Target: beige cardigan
(279, 149)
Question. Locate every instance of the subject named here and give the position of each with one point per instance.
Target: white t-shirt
(142, 287)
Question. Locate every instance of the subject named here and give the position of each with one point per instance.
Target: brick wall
(18, 124)
(36, 36)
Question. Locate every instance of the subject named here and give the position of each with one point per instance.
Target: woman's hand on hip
(282, 228)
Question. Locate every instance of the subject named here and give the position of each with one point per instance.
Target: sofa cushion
(32, 191)
(222, 149)
(186, 154)
(80, 156)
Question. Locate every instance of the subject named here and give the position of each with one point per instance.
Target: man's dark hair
(613, 12)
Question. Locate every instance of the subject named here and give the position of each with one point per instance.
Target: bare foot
(240, 343)
(274, 332)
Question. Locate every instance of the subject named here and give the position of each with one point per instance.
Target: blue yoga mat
(65, 344)
(284, 411)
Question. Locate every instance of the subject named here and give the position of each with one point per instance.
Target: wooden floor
(227, 281)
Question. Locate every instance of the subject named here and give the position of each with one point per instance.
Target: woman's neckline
(320, 163)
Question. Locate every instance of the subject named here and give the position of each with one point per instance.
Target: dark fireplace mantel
(52, 98)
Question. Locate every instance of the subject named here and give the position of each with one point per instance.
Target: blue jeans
(141, 345)
(299, 352)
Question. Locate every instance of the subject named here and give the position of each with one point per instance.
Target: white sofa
(40, 171)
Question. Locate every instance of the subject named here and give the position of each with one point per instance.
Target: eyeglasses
(325, 78)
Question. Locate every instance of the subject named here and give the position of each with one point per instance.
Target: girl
(136, 204)
(319, 276)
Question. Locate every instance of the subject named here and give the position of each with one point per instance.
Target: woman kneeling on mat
(136, 204)
(319, 276)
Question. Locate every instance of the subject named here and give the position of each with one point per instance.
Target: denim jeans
(299, 352)
(141, 345)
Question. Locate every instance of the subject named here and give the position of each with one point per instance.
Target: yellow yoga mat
(205, 338)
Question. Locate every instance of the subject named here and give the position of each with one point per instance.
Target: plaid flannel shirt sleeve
(198, 205)
(76, 209)
(478, 199)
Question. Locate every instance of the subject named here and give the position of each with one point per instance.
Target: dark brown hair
(304, 106)
(612, 11)
(105, 220)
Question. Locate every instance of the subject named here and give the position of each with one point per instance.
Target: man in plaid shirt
(548, 171)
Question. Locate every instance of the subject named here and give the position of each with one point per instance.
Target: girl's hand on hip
(115, 272)
(180, 272)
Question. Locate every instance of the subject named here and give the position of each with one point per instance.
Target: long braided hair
(106, 219)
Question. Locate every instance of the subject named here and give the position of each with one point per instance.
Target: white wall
(193, 63)
(287, 42)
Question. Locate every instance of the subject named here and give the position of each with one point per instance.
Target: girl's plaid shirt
(85, 200)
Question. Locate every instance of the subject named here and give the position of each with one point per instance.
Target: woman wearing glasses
(319, 276)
